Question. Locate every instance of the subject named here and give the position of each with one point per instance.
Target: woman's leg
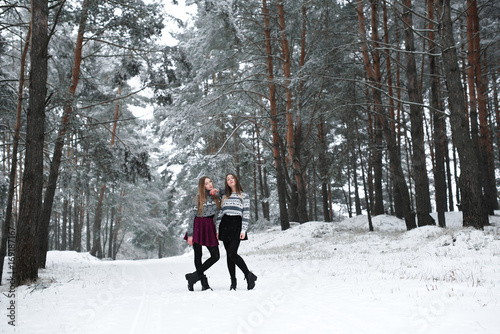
(233, 258)
(197, 255)
(231, 266)
(214, 257)
(192, 278)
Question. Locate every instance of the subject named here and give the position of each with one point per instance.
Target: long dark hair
(229, 191)
(202, 195)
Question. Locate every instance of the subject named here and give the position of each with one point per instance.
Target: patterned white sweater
(236, 205)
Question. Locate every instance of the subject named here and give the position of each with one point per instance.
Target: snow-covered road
(313, 278)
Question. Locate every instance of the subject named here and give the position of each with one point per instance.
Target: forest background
(324, 109)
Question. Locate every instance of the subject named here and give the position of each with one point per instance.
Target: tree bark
(469, 180)
(118, 225)
(292, 139)
(280, 177)
(77, 226)
(96, 244)
(439, 121)
(254, 168)
(422, 194)
(7, 224)
(393, 149)
(59, 143)
(378, 205)
(485, 147)
(398, 205)
(31, 197)
(357, 200)
(451, 205)
(367, 203)
(264, 190)
(64, 224)
(323, 169)
(496, 103)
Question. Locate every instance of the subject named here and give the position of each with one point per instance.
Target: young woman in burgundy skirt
(201, 232)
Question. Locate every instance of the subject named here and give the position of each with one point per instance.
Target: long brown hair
(237, 184)
(202, 195)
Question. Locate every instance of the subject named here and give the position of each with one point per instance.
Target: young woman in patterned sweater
(232, 223)
(201, 232)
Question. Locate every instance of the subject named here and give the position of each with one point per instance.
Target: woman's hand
(242, 235)
(190, 241)
(214, 191)
(217, 236)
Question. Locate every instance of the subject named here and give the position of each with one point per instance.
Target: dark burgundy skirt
(204, 232)
(230, 228)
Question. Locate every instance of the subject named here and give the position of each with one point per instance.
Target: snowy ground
(313, 278)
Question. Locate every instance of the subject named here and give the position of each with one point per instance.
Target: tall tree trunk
(378, 205)
(88, 246)
(485, 147)
(471, 84)
(367, 203)
(470, 186)
(439, 121)
(393, 149)
(291, 136)
(236, 154)
(448, 176)
(59, 143)
(323, 169)
(118, 225)
(77, 226)
(264, 190)
(280, 177)
(465, 78)
(496, 104)
(369, 177)
(324, 174)
(96, 244)
(399, 105)
(265, 185)
(398, 205)
(64, 224)
(6, 227)
(422, 194)
(254, 167)
(57, 231)
(348, 198)
(357, 200)
(111, 234)
(70, 220)
(31, 197)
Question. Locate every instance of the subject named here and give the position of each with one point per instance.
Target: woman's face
(231, 181)
(208, 184)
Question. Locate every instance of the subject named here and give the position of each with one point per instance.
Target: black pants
(202, 267)
(233, 259)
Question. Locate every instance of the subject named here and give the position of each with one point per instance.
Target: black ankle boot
(251, 278)
(204, 283)
(192, 278)
(233, 284)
